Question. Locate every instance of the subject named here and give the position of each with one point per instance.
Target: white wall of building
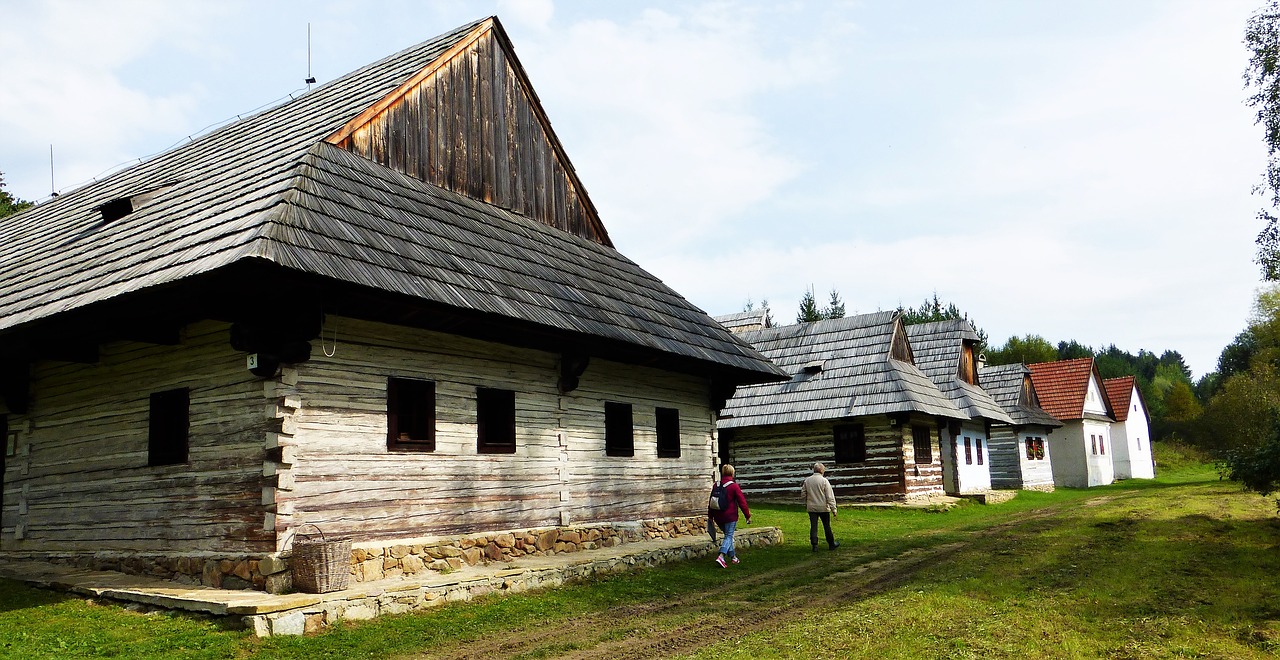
(1132, 458)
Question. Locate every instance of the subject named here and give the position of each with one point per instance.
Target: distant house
(1071, 391)
(946, 351)
(387, 308)
(1020, 456)
(744, 321)
(1131, 434)
(855, 401)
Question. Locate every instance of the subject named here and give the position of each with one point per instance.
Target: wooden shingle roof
(269, 189)
(1120, 395)
(938, 349)
(839, 368)
(1008, 385)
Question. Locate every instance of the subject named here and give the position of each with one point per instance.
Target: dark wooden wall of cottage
(79, 480)
(771, 461)
(475, 126)
(344, 479)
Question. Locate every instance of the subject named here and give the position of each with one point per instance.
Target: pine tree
(809, 311)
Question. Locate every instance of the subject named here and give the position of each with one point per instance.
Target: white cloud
(66, 59)
(659, 114)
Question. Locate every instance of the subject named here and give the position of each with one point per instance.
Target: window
(618, 432)
(1035, 449)
(923, 446)
(167, 423)
(495, 421)
(968, 451)
(1093, 444)
(668, 423)
(1102, 445)
(1139, 441)
(978, 442)
(411, 415)
(850, 443)
(968, 367)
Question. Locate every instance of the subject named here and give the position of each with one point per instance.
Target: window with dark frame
(921, 444)
(668, 430)
(495, 421)
(411, 415)
(1102, 445)
(978, 442)
(1039, 449)
(167, 427)
(968, 451)
(619, 433)
(850, 443)
(1031, 449)
(1093, 444)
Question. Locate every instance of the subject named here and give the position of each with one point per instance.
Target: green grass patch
(1180, 566)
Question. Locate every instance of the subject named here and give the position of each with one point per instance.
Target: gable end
(471, 122)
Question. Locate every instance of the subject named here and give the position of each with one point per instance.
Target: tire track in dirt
(685, 623)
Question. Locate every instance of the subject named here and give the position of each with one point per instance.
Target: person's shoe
(720, 560)
(735, 559)
(833, 546)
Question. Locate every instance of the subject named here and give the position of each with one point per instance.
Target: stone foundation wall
(405, 558)
(378, 561)
(367, 602)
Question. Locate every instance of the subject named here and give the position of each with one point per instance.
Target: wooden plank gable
(471, 122)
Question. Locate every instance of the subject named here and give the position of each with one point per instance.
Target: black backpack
(719, 500)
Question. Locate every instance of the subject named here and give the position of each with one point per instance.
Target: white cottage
(946, 352)
(1071, 391)
(1020, 453)
(1131, 434)
(387, 308)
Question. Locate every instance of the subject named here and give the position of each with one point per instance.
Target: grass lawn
(1182, 566)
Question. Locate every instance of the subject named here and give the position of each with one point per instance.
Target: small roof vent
(120, 207)
(116, 209)
(813, 366)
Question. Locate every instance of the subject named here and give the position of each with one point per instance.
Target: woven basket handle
(293, 533)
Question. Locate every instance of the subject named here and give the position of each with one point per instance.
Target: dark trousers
(814, 516)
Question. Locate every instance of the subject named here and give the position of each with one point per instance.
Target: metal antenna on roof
(53, 188)
(310, 78)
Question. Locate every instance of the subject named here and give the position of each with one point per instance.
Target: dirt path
(684, 624)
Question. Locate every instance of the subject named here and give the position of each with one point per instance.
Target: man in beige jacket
(820, 501)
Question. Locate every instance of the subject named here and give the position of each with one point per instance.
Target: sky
(1076, 170)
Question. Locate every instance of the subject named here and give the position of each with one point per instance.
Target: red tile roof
(1120, 393)
(1062, 386)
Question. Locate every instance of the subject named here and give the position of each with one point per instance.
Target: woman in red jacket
(727, 519)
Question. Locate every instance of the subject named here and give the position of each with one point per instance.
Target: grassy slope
(1181, 567)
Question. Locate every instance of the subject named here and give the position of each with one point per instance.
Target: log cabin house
(387, 308)
(1131, 455)
(855, 401)
(1071, 391)
(1020, 456)
(946, 352)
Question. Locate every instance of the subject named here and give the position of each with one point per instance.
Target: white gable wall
(1132, 458)
(1037, 473)
(1101, 471)
(1093, 402)
(961, 476)
(1074, 464)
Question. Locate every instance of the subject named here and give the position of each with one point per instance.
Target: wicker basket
(320, 564)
